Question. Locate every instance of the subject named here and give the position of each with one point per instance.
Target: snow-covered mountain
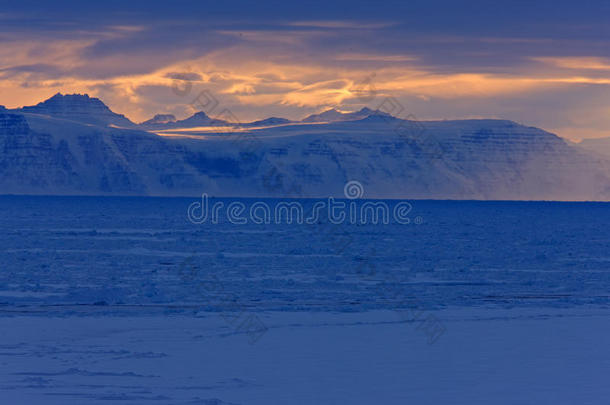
(160, 119)
(470, 159)
(267, 122)
(80, 108)
(162, 122)
(167, 121)
(333, 115)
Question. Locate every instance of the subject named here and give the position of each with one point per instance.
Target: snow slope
(488, 357)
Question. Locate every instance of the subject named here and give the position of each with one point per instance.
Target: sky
(543, 63)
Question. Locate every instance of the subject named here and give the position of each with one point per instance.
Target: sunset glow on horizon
(554, 75)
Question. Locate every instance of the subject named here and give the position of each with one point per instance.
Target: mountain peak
(366, 110)
(72, 98)
(62, 102)
(325, 116)
(333, 115)
(268, 122)
(160, 119)
(200, 114)
(199, 118)
(79, 107)
(167, 121)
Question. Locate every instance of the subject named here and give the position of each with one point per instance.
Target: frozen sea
(126, 301)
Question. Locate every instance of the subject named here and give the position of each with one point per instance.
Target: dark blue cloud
(465, 17)
(449, 34)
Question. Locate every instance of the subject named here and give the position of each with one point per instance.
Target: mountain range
(75, 145)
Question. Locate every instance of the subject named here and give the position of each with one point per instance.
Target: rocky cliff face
(479, 159)
(34, 162)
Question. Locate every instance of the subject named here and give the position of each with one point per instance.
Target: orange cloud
(577, 63)
(255, 77)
